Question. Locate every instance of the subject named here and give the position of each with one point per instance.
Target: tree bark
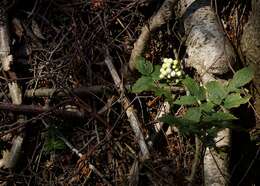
(250, 47)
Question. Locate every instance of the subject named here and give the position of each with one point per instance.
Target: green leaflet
(144, 67)
(241, 78)
(156, 73)
(216, 92)
(193, 114)
(186, 100)
(218, 116)
(144, 83)
(207, 107)
(194, 88)
(235, 100)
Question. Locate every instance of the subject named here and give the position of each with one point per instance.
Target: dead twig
(9, 158)
(133, 119)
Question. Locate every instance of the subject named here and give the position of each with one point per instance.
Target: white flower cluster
(171, 69)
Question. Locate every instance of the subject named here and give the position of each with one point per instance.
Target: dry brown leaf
(36, 30)
(18, 28)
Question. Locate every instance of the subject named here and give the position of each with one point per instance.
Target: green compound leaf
(219, 116)
(241, 78)
(156, 73)
(186, 100)
(193, 115)
(194, 88)
(144, 83)
(234, 101)
(216, 92)
(143, 66)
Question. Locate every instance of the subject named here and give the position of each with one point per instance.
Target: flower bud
(178, 73)
(161, 76)
(173, 74)
(175, 62)
(168, 70)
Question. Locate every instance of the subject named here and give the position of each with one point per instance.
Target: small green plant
(156, 78)
(52, 142)
(207, 108)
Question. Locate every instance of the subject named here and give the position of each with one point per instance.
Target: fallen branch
(9, 157)
(80, 92)
(160, 18)
(133, 119)
(33, 109)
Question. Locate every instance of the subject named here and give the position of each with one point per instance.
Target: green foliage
(194, 88)
(218, 116)
(186, 100)
(149, 81)
(235, 100)
(53, 144)
(193, 114)
(208, 108)
(144, 83)
(144, 66)
(216, 92)
(241, 78)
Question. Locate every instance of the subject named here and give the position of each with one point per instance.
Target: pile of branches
(75, 122)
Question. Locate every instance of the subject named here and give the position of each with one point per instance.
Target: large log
(210, 53)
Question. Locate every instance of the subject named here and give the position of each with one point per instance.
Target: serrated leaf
(234, 101)
(163, 90)
(156, 73)
(219, 116)
(144, 83)
(194, 88)
(186, 100)
(193, 114)
(207, 107)
(143, 66)
(241, 78)
(216, 92)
